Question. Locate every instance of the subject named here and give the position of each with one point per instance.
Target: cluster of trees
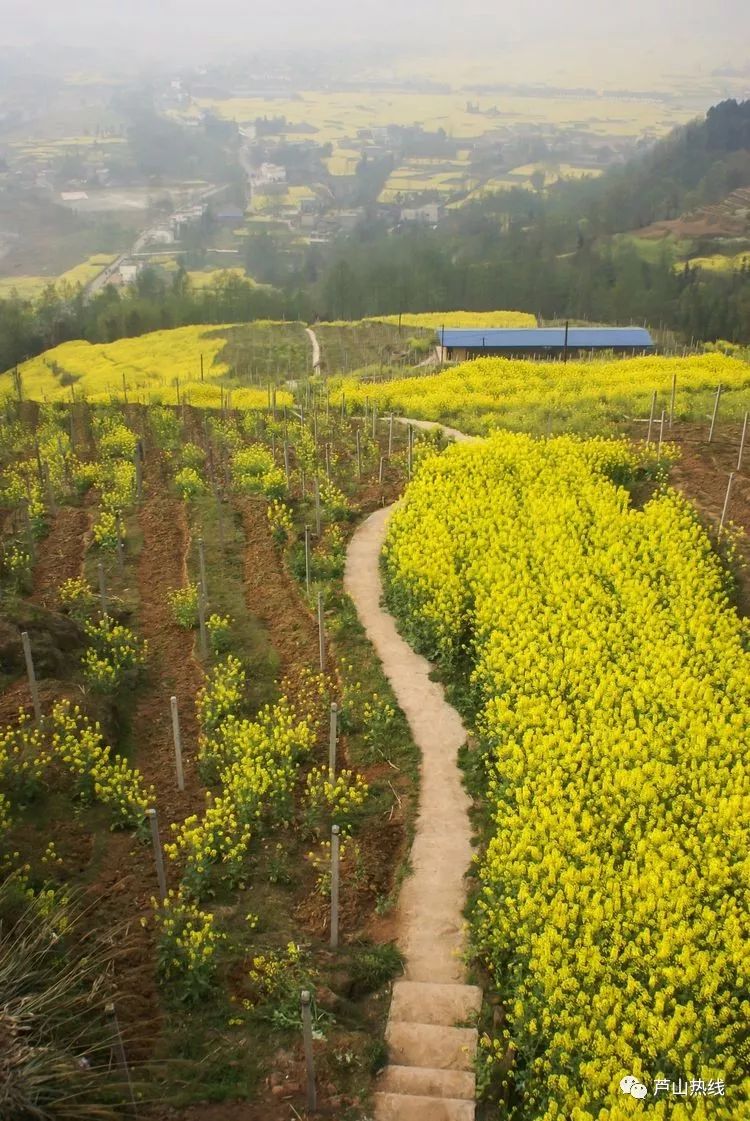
(427, 271)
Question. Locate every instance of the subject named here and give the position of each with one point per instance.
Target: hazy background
(681, 31)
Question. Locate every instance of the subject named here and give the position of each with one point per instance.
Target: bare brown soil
(272, 595)
(60, 554)
(173, 669)
(702, 474)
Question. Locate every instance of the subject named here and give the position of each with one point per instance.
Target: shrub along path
(430, 1076)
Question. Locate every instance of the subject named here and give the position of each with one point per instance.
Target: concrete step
(431, 1045)
(413, 1107)
(420, 1002)
(427, 1082)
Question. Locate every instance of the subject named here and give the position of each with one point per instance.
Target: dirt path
(430, 1076)
(431, 903)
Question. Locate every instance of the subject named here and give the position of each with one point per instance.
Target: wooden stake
(177, 743)
(390, 436)
(321, 634)
(335, 843)
(202, 622)
(726, 501)
(31, 676)
(158, 854)
(715, 414)
(672, 399)
(118, 1048)
(307, 559)
(661, 434)
(102, 588)
(202, 566)
(307, 1040)
(651, 418)
(333, 737)
(359, 455)
(317, 507)
(742, 443)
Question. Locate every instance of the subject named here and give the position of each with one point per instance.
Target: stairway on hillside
(432, 1045)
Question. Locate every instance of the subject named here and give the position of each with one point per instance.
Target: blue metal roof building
(461, 343)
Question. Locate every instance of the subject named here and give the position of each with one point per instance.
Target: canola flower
(254, 471)
(612, 682)
(188, 946)
(78, 747)
(222, 693)
(336, 801)
(489, 392)
(23, 762)
(183, 603)
(255, 763)
(115, 652)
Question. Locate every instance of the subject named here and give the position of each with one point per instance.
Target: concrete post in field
(202, 567)
(335, 872)
(31, 675)
(390, 436)
(742, 443)
(317, 506)
(328, 462)
(359, 454)
(714, 414)
(409, 450)
(307, 1040)
(661, 434)
(651, 418)
(177, 743)
(161, 875)
(307, 559)
(333, 738)
(726, 502)
(50, 490)
(286, 460)
(119, 536)
(118, 1049)
(202, 622)
(380, 470)
(138, 463)
(321, 634)
(671, 400)
(102, 587)
(374, 421)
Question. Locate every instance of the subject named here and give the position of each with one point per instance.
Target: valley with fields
(374, 563)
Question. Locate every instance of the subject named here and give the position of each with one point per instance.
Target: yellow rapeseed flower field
(147, 368)
(578, 396)
(611, 678)
(438, 319)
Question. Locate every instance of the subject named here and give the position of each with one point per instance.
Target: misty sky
(171, 27)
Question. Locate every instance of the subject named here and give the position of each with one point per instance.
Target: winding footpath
(430, 1076)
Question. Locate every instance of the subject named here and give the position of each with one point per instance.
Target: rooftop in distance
(545, 338)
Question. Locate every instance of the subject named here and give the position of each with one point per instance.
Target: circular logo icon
(638, 1090)
(627, 1083)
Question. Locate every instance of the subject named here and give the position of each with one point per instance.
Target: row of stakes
(118, 1048)
(712, 428)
